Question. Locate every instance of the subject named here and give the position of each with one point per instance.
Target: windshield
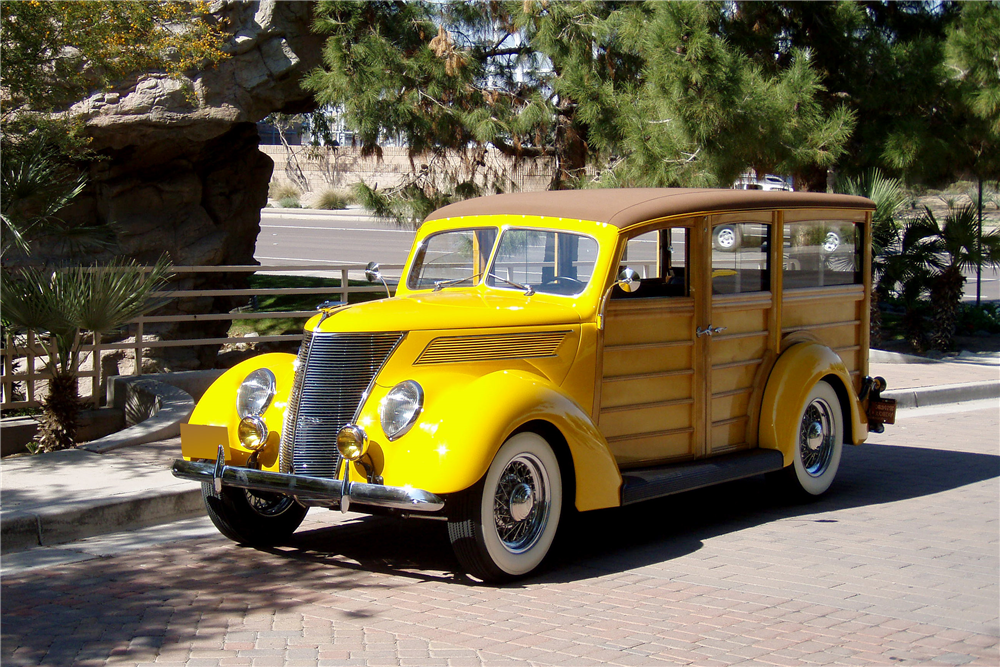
(455, 257)
(548, 262)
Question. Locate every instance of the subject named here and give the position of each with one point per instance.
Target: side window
(741, 262)
(821, 253)
(660, 257)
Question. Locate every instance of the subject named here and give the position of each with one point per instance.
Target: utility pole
(979, 248)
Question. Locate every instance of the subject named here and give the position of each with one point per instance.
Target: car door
(735, 328)
(648, 406)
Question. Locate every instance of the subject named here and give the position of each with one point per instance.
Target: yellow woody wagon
(555, 350)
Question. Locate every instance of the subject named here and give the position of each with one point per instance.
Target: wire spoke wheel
(816, 434)
(818, 441)
(502, 527)
(521, 503)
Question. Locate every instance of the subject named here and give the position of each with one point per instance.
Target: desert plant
(333, 200)
(61, 307)
(35, 184)
(289, 202)
(959, 247)
(281, 191)
(890, 199)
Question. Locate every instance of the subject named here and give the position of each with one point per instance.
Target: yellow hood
(451, 309)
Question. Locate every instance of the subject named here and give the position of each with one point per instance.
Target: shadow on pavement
(619, 539)
(141, 603)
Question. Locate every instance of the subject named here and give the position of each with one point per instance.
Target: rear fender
(795, 372)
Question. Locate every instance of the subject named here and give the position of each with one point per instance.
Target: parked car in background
(556, 350)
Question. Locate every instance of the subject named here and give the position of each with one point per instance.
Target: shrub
(282, 191)
(289, 202)
(333, 200)
(985, 317)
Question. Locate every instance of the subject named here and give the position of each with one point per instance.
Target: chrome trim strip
(368, 389)
(301, 486)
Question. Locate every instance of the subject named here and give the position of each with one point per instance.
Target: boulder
(180, 171)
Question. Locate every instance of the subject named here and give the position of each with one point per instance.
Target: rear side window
(822, 253)
(741, 262)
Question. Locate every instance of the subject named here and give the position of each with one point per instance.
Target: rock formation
(181, 172)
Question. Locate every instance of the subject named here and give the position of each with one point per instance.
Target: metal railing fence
(22, 354)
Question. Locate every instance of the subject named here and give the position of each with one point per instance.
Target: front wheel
(503, 526)
(819, 441)
(250, 517)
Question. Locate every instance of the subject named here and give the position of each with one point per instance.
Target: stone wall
(314, 169)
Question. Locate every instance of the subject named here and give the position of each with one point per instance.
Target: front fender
(795, 372)
(466, 419)
(217, 407)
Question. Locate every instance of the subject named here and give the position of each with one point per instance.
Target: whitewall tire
(503, 527)
(818, 441)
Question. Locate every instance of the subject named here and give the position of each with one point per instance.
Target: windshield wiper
(439, 284)
(528, 291)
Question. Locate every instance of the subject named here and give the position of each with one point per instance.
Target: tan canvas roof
(628, 206)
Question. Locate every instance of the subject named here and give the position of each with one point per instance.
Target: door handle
(710, 330)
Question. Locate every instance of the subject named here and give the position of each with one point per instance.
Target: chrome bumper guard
(307, 488)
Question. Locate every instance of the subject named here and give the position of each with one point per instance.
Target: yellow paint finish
(453, 308)
(465, 419)
(200, 441)
(217, 407)
(796, 371)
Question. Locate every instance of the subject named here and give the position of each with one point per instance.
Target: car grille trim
(334, 375)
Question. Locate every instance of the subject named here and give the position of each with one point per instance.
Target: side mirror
(629, 280)
(373, 274)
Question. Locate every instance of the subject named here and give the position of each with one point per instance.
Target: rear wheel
(252, 517)
(819, 441)
(503, 526)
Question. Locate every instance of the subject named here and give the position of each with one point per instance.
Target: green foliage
(289, 202)
(55, 53)
(61, 307)
(984, 317)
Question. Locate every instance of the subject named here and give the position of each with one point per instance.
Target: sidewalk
(66, 496)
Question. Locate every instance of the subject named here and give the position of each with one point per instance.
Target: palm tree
(889, 198)
(35, 184)
(60, 307)
(958, 244)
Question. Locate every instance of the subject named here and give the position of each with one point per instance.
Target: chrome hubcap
(727, 238)
(816, 437)
(521, 503)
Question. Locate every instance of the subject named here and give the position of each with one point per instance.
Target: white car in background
(729, 239)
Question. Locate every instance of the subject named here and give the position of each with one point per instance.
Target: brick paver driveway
(897, 565)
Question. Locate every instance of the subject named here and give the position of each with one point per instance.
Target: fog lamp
(252, 432)
(352, 442)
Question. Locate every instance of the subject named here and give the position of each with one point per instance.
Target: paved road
(288, 236)
(897, 565)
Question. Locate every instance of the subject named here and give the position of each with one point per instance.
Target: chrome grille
(332, 377)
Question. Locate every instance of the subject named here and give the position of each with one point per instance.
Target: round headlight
(255, 393)
(352, 443)
(252, 432)
(400, 408)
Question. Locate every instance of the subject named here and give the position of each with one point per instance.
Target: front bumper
(308, 490)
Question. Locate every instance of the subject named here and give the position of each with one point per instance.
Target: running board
(648, 483)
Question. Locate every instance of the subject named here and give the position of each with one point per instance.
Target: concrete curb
(60, 525)
(946, 393)
(159, 409)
